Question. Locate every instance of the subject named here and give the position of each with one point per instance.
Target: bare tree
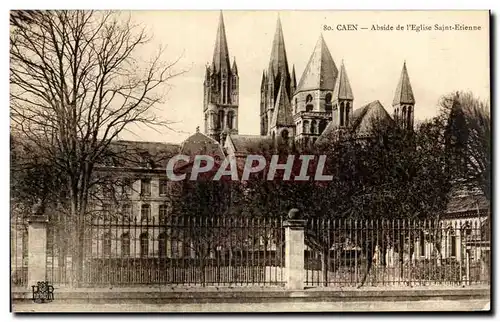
(77, 82)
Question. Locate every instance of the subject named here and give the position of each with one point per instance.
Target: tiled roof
(361, 123)
(248, 144)
(139, 154)
(320, 72)
(200, 144)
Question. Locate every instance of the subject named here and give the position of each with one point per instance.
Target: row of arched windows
(313, 126)
(217, 120)
(175, 246)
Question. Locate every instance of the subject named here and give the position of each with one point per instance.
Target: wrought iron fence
(19, 251)
(396, 252)
(184, 251)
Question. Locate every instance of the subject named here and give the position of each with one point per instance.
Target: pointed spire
(263, 81)
(294, 79)
(404, 93)
(234, 69)
(282, 115)
(342, 89)
(221, 53)
(278, 62)
(321, 71)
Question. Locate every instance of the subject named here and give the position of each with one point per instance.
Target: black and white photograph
(250, 161)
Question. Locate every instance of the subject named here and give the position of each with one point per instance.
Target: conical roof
(342, 89)
(404, 93)
(321, 71)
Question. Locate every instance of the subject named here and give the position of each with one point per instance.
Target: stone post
(37, 249)
(294, 250)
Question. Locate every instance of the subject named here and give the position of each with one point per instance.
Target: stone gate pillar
(37, 249)
(294, 250)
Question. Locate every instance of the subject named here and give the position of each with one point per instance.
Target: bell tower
(221, 90)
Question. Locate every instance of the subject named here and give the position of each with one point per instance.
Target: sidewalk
(294, 306)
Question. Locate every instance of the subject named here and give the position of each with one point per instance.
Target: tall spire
(220, 61)
(293, 82)
(321, 71)
(342, 89)
(404, 93)
(278, 62)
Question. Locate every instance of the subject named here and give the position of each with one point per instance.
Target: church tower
(342, 111)
(221, 90)
(312, 100)
(277, 73)
(404, 101)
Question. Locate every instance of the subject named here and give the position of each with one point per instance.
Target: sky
(438, 62)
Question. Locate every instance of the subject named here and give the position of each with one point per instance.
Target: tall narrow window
(162, 245)
(145, 212)
(162, 213)
(221, 119)
(328, 102)
(342, 114)
(305, 127)
(347, 111)
(313, 127)
(453, 245)
(144, 240)
(125, 245)
(126, 212)
(146, 187)
(408, 120)
(163, 185)
(230, 119)
(106, 245)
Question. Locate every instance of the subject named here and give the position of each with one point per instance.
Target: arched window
(328, 98)
(305, 127)
(347, 111)
(309, 99)
(106, 245)
(162, 245)
(221, 120)
(408, 120)
(230, 119)
(125, 245)
(313, 127)
(322, 126)
(144, 240)
(403, 116)
(309, 105)
(295, 108)
(342, 114)
(328, 102)
(284, 134)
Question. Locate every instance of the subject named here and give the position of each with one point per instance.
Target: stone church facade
(314, 109)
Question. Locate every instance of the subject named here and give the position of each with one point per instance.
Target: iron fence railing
(396, 252)
(184, 251)
(187, 250)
